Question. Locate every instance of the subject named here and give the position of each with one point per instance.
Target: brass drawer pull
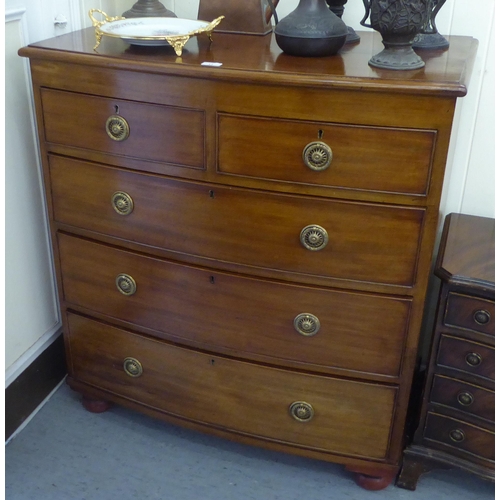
(314, 237)
(132, 367)
(301, 411)
(473, 359)
(465, 398)
(306, 324)
(122, 203)
(126, 284)
(117, 128)
(457, 435)
(482, 317)
(317, 156)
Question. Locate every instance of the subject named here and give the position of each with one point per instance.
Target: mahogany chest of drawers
(457, 417)
(245, 248)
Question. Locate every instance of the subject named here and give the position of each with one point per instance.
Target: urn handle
(368, 5)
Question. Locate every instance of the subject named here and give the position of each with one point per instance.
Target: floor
(69, 454)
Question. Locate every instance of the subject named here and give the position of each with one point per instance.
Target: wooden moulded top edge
(258, 59)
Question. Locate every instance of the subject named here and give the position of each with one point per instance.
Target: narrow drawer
(155, 132)
(472, 313)
(351, 418)
(459, 435)
(464, 397)
(326, 154)
(320, 327)
(467, 356)
(362, 242)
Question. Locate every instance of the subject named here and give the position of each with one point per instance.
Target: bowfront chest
(244, 247)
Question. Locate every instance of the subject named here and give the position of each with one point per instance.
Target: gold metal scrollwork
(117, 128)
(306, 324)
(317, 156)
(314, 237)
(301, 411)
(132, 367)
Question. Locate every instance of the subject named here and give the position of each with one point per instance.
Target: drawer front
(351, 418)
(472, 313)
(460, 436)
(464, 397)
(360, 157)
(161, 133)
(466, 356)
(364, 242)
(320, 327)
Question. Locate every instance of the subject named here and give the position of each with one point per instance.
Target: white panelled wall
(31, 314)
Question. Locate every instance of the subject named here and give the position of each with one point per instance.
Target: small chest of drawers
(456, 427)
(245, 249)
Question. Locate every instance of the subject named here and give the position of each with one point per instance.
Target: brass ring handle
(132, 367)
(482, 317)
(317, 156)
(314, 237)
(126, 284)
(122, 203)
(117, 128)
(465, 398)
(306, 324)
(457, 435)
(301, 411)
(473, 359)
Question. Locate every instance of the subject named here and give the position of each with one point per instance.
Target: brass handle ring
(482, 317)
(314, 237)
(465, 398)
(317, 156)
(117, 128)
(457, 435)
(126, 284)
(301, 411)
(473, 359)
(132, 367)
(306, 324)
(122, 203)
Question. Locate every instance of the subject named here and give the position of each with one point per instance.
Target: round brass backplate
(117, 128)
(314, 237)
(473, 359)
(122, 203)
(317, 156)
(465, 398)
(301, 411)
(306, 324)
(132, 367)
(126, 284)
(482, 317)
(457, 435)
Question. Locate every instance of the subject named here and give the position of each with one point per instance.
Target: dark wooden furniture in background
(457, 418)
(214, 269)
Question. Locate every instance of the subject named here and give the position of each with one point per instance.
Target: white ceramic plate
(151, 30)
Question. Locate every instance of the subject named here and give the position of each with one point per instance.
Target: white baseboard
(16, 368)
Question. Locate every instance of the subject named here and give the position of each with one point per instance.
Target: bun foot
(95, 406)
(374, 483)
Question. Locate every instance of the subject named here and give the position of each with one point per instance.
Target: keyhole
(212, 280)
(320, 134)
(212, 194)
(117, 109)
(212, 362)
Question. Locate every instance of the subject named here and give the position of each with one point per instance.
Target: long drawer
(315, 412)
(127, 128)
(326, 154)
(345, 240)
(321, 327)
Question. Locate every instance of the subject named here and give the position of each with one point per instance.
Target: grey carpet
(67, 453)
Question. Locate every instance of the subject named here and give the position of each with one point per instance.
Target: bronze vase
(429, 37)
(311, 30)
(399, 22)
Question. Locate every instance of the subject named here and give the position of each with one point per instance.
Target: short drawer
(332, 415)
(360, 242)
(460, 436)
(323, 328)
(472, 313)
(466, 356)
(152, 132)
(326, 154)
(464, 397)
